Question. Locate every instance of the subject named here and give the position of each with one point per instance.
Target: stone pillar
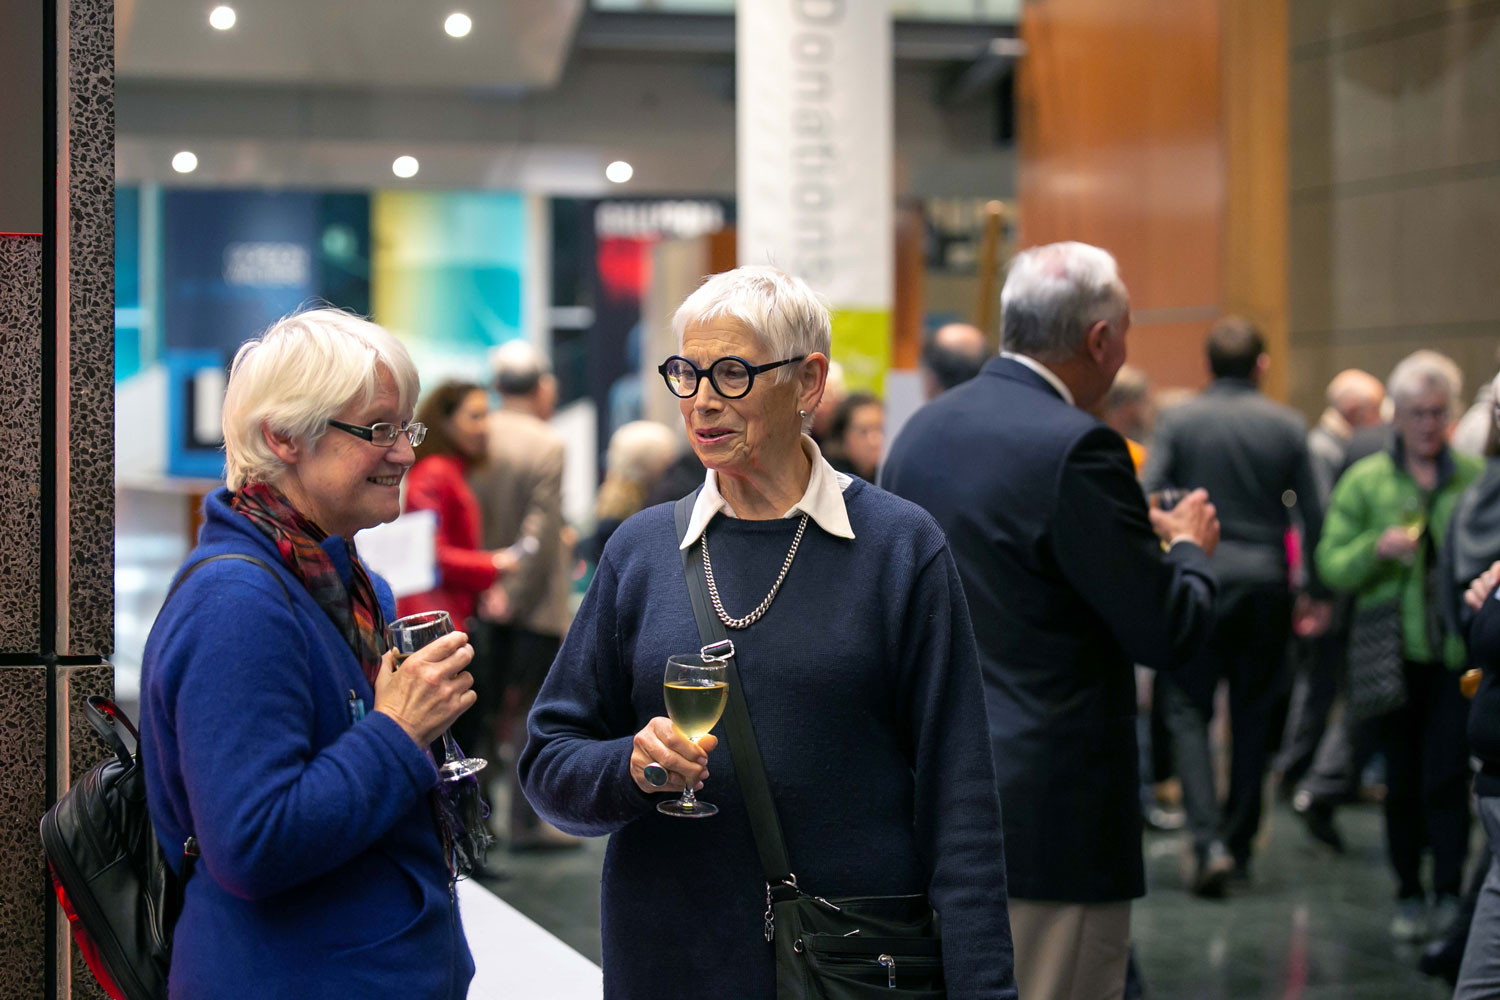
(56, 457)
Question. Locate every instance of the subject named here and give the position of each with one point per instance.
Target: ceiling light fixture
(458, 24)
(185, 162)
(405, 166)
(619, 172)
(222, 18)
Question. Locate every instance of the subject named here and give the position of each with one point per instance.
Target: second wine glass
(696, 691)
(406, 636)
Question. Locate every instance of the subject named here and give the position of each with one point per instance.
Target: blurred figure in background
(856, 436)
(1251, 455)
(639, 454)
(1387, 522)
(520, 499)
(454, 414)
(1127, 409)
(1316, 765)
(951, 356)
(1473, 431)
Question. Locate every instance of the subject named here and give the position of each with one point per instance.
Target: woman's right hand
(660, 742)
(1482, 587)
(1395, 543)
(431, 689)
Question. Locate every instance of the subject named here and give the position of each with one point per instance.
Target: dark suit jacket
(1248, 452)
(1068, 587)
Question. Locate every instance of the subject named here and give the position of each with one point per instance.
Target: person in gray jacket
(1251, 454)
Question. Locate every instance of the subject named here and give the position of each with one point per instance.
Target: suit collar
(1019, 368)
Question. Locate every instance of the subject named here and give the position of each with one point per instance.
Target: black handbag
(847, 948)
(1377, 682)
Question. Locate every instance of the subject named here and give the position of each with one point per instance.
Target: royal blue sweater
(321, 873)
(863, 686)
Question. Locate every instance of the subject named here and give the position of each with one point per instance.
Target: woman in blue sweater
(855, 654)
(275, 729)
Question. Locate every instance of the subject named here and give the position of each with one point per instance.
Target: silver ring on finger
(655, 774)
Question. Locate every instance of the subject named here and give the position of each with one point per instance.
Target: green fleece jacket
(1374, 494)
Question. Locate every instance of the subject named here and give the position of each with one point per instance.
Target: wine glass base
(699, 810)
(453, 770)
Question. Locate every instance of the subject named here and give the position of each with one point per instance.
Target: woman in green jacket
(1385, 527)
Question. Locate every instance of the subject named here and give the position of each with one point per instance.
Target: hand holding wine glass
(410, 638)
(685, 760)
(696, 689)
(431, 690)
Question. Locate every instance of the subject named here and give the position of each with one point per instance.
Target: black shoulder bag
(826, 949)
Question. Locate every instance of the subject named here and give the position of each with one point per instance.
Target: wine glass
(406, 636)
(696, 690)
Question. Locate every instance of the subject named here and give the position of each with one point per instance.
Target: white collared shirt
(1044, 372)
(823, 501)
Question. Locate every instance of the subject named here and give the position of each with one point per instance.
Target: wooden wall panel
(1157, 131)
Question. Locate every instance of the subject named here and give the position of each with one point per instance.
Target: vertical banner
(814, 124)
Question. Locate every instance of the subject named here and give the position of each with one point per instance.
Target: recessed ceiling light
(619, 172)
(458, 24)
(405, 166)
(222, 18)
(185, 162)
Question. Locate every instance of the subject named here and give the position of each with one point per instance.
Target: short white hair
(518, 367)
(297, 375)
(641, 449)
(1053, 294)
(779, 309)
(1422, 371)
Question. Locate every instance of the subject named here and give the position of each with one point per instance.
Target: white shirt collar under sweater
(1044, 372)
(823, 502)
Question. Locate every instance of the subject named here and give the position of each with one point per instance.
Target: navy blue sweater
(863, 686)
(321, 874)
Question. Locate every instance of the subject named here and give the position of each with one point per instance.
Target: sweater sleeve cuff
(415, 762)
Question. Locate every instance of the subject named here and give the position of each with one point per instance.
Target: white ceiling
(514, 45)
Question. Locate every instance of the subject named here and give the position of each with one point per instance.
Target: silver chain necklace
(754, 616)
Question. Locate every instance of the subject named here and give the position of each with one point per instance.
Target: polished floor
(1309, 926)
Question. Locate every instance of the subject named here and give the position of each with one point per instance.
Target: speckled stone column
(56, 487)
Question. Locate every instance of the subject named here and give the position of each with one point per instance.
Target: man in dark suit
(1251, 454)
(1068, 587)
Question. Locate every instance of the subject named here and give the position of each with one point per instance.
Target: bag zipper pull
(888, 963)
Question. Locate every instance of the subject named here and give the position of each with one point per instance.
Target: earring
(802, 414)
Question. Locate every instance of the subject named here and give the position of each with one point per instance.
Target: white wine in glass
(696, 691)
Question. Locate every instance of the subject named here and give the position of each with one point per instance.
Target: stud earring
(802, 414)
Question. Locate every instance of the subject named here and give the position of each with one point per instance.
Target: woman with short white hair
(857, 661)
(276, 733)
(1388, 520)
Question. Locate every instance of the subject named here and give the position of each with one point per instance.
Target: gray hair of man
(780, 310)
(519, 367)
(1422, 371)
(298, 375)
(640, 450)
(1053, 294)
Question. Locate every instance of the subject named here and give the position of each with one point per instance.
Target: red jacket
(436, 483)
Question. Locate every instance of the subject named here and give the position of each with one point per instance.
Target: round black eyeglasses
(384, 435)
(731, 376)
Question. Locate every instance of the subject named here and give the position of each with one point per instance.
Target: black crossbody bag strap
(749, 769)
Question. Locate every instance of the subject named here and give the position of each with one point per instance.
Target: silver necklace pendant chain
(754, 616)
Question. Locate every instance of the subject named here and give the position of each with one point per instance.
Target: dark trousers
(1427, 780)
(1247, 646)
(516, 664)
(1319, 663)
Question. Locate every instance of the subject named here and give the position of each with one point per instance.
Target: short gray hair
(641, 449)
(779, 309)
(518, 367)
(297, 375)
(1053, 294)
(1423, 370)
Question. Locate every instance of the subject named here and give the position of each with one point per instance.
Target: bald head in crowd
(1356, 396)
(954, 355)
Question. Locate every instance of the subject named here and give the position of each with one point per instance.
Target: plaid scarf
(355, 610)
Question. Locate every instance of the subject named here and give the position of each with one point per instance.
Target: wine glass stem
(688, 800)
(450, 748)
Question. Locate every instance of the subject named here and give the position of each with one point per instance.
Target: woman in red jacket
(455, 414)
